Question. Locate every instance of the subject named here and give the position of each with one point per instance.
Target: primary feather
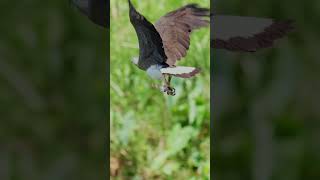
(175, 29)
(151, 50)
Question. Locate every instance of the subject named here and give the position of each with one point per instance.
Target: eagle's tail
(181, 71)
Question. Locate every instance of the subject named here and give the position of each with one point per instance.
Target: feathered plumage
(163, 44)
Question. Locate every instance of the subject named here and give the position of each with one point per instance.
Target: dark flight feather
(150, 42)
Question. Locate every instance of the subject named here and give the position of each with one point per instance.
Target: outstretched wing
(150, 42)
(238, 33)
(95, 10)
(175, 28)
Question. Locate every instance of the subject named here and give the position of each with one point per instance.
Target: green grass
(154, 136)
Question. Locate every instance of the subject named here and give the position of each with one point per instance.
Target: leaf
(192, 110)
(170, 167)
(159, 160)
(178, 138)
(127, 128)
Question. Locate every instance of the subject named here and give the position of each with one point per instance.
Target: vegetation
(155, 136)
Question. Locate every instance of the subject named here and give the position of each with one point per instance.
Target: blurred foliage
(266, 104)
(53, 92)
(154, 136)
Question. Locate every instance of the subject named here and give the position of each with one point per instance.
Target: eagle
(161, 45)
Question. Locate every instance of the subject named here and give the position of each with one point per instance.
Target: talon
(171, 91)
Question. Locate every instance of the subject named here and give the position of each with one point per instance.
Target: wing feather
(175, 28)
(150, 43)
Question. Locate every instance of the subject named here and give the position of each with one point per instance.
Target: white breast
(154, 72)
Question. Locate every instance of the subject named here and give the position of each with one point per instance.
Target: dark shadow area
(266, 104)
(53, 92)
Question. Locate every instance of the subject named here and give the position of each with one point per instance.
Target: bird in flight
(163, 44)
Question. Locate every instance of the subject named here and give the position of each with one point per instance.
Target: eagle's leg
(166, 87)
(171, 91)
(166, 81)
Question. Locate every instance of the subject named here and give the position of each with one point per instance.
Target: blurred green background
(53, 92)
(154, 136)
(266, 104)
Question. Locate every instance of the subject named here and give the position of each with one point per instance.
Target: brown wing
(175, 28)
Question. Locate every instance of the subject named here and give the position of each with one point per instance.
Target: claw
(171, 91)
